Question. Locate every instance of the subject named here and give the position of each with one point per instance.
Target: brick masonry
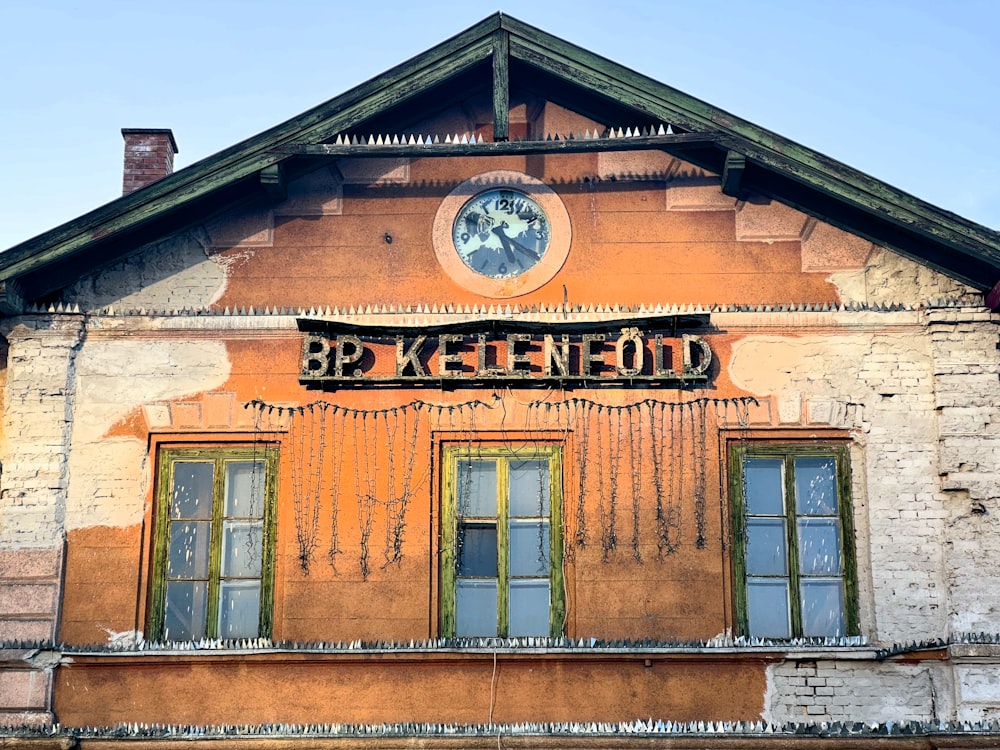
(923, 407)
(38, 420)
(149, 156)
(867, 691)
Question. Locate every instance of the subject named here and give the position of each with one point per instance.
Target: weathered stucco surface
(170, 274)
(888, 277)
(849, 691)
(38, 418)
(115, 377)
(965, 343)
(919, 395)
(881, 387)
(916, 391)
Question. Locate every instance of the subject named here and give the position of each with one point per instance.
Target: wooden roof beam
(11, 297)
(272, 179)
(732, 173)
(501, 85)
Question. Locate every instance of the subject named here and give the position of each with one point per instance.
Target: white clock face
(501, 233)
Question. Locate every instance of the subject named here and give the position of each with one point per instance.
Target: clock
(501, 234)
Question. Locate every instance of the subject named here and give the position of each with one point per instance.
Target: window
(502, 542)
(214, 548)
(794, 544)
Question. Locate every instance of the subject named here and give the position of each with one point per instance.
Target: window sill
(450, 649)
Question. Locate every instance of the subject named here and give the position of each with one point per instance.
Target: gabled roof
(494, 56)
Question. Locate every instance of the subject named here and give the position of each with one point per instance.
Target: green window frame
(793, 541)
(501, 555)
(213, 555)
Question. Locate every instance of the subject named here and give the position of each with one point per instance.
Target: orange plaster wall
(627, 248)
(101, 589)
(456, 688)
(666, 596)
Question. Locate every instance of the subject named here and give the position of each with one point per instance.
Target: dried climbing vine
(651, 456)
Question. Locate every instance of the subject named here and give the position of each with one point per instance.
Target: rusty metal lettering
(445, 359)
(409, 357)
(315, 355)
(588, 360)
(639, 356)
(515, 359)
(658, 369)
(689, 343)
(485, 370)
(631, 336)
(349, 350)
(556, 355)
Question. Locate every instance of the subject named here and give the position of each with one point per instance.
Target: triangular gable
(495, 56)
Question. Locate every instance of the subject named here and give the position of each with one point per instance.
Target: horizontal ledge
(502, 148)
(442, 381)
(258, 655)
(529, 322)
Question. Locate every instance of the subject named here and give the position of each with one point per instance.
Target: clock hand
(524, 249)
(505, 241)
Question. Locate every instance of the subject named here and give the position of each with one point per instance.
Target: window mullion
(791, 516)
(215, 549)
(449, 551)
(503, 544)
(557, 606)
(266, 616)
(849, 561)
(737, 489)
(166, 483)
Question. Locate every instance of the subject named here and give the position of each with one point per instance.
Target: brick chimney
(149, 156)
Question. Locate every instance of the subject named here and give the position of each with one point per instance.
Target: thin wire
(493, 692)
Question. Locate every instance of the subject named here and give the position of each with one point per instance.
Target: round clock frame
(502, 286)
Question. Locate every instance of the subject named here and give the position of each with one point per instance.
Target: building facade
(510, 396)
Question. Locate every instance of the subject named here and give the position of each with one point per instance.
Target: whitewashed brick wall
(967, 400)
(865, 691)
(38, 421)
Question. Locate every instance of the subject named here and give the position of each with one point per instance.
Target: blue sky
(906, 91)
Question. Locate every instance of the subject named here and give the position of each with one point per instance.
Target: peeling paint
(880, 385)
(889, 277)
(110, 475)
(172, 273)
(844, 366)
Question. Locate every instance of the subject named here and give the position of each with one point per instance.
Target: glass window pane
(816, 486)
(819, 546)
(184, 611)
(529, 488)
(767, 608)
(477, 487)
(476, 608)
(822, 607)
(766, 547)
(192, 491)
(528, 606)
(239, 609)
(529, 548)
(189, 549)
(477, 549)
(242, 542)
(764, 478)
(244, 489)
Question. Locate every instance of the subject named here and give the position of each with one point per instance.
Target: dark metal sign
(625, 355)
